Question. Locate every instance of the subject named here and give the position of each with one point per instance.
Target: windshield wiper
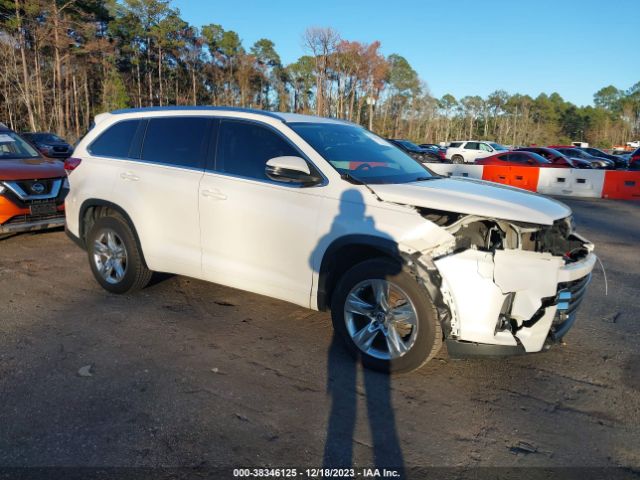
(424, 179)
(356, 181)
(351, 179)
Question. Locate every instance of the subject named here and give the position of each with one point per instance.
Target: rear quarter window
(117, 140)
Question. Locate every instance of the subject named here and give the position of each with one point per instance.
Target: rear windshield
(12, 146)
(539, 158)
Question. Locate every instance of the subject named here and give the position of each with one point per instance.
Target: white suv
(327, 215)
(470, 150)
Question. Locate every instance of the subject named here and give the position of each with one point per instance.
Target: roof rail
(196, 108)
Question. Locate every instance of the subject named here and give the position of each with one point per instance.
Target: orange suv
(32, 187)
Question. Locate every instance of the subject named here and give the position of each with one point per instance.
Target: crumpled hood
(475, 197)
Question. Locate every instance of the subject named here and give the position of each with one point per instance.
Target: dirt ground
(187, 373)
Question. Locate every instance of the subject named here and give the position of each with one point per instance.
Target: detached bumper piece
(570, 295)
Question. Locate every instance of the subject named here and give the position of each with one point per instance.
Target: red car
(520, 159)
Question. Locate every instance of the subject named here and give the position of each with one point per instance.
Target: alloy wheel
(381, 319)
(110, 256)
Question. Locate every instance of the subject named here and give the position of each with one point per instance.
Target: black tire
(429, 333)
(136, 274)
(457, 159)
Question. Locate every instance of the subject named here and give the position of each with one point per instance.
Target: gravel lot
(188, 373)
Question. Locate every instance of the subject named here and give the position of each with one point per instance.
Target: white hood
(475, 197)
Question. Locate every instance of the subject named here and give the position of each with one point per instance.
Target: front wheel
(114, 256)
(385, 318)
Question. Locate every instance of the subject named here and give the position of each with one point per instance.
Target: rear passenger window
(244, 148)
(472, 146)
(177, 141)
(116, 141)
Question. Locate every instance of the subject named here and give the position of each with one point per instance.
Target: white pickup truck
(468, 151)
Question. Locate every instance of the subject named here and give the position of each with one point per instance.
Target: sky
(461, 47)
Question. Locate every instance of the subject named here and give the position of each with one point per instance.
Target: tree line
(63, 61)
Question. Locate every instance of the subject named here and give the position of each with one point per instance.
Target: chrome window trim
(268, 181)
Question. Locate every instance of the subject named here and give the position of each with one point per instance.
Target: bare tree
(322, 43)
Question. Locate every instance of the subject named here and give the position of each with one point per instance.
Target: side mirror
(290, 169)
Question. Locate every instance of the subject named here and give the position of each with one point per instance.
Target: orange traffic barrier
(521, 177)
(620, 184)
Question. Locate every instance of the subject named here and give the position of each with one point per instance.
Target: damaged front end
(504, 287)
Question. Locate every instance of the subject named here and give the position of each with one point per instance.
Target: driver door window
(244, 149)
(485, 148)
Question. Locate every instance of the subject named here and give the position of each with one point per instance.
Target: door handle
(129, 176)
(215, 194)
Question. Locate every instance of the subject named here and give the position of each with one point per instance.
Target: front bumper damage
(505, 301)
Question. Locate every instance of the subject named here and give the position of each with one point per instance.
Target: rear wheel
(385, 318)
(114, 256)
(457, 159)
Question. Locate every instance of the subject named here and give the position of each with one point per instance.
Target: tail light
(442, 154)
(71, 163)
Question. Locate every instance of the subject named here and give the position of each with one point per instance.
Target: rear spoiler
(101, 117)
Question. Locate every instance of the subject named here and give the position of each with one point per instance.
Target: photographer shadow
(343, 368)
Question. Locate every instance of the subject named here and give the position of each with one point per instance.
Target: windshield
(12, 146)
(352, 150)
(497, 146)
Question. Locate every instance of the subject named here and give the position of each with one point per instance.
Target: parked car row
(553, 156)
(596, 161)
